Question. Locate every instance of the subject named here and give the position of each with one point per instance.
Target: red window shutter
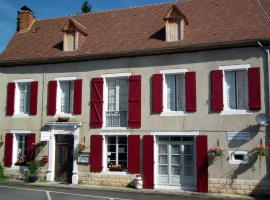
(148, 159)
(254, 88)
(157, 93)
(190, 83)
(96, 153)
(202, 163)
(217, 90)
(8, 150)
(52, 91)
(10, 99)
(77, 100)
(134, 154)
(134, 102)
(96, 102)
(33, 97)
(31, 139)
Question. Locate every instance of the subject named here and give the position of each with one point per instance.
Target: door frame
(156, 135)
(59, 128)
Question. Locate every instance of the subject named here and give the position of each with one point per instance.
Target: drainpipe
(267, 52)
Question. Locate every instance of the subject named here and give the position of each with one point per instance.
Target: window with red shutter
(33, 97)
(217, 90)
(254, 88)
(77, 100)
(148, 160)
(190, 83)
(96, 120)
(31, 139)
(8, 150)
(10, 99)
(134, 154)
(52, 92)
(134, 102)
(202, 163)
(157, 93)
(96, 153)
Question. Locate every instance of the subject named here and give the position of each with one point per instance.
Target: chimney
(25, 19)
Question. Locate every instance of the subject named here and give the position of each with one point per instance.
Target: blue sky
(53, 8)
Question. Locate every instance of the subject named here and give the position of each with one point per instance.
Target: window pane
(175, 170)
(122, 140)
(230, 89)
(162, 149)
(163, 169)
(241, 89)
(67, 91)
(180, 91)
(170, 82)
(111, 140)
(24, 89)
(175, 160)
(123, 95)
(175, 149)
(163, 159)
(188, 159)
(188, 171)
(188, 149)
(111, 94)
(111, 148)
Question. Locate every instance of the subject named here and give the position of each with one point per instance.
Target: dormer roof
(72, 25)
(175, 14)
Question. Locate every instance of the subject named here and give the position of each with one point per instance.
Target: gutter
(267, 52)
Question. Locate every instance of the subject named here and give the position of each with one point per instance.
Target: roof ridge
(109, 10)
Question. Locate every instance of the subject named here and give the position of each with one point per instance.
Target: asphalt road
(30, 192)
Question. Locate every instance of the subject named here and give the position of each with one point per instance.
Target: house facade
(148, 90)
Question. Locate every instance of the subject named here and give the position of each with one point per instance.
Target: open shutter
(77, 100)
(202, 163)
(148, 159)
(254, 88)
(96, 102)
(217, 90)
(33, 97)
(190, 83)
(31, 139)
(10, 99)
(52, 90)
(134, 102)
(96, 153)
(134, 154)
(8, 150)
(157, 93)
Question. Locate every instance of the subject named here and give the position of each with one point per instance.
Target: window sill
(173, 113)
(114, 172)
(58, 115)
(235, 112)
(21, 115)
(114, 128)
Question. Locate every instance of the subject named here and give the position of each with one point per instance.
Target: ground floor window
(116, 153)
(22, 153)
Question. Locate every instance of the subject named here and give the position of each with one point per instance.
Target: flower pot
(32, 179)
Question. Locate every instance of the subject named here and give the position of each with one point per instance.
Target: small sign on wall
(44, 136)
(83, 158)
(243, 136)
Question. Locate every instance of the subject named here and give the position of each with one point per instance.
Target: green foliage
(2, 176)
(86, 7)
(33, 167)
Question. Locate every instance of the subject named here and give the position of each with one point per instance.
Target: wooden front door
(63, 158)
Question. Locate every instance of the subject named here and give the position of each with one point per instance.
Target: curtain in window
(24, 97)
(175, 92)
(67, 91)
(230, 89)
(241, 80)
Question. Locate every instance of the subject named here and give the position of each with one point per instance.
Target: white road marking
(48, 195)
(74, 194)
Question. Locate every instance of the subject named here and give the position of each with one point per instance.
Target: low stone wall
(107, 179)
(19, 174)
(239, 186)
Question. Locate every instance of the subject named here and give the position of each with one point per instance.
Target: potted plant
(33, 170)
(113, 167)
(262, 150)
(62, 119)
(81, 147)
(216, 151)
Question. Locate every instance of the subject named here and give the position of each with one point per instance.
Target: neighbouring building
(150, 90)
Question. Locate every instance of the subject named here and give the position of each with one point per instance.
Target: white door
(175, 161)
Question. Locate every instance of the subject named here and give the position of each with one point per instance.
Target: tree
(86, 7)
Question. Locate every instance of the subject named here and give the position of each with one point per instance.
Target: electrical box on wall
(238, 157)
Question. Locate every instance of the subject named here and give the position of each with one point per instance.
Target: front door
(176, 161)
(63, 158)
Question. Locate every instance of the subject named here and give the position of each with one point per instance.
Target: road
(30, 192)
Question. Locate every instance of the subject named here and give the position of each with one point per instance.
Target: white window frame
(17, 113)
(105, 98)
(165, 111)
(15, 146)
(233, 161)
(58, 96)
(226, 109)
(104, 151)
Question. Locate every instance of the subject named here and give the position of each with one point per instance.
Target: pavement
(13, 190)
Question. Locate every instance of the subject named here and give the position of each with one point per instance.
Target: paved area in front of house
(19, 191)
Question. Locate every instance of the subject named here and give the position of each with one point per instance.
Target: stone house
(146, 90)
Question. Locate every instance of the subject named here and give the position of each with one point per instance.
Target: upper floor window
(71, 41)
(66, 96)
(23, 96)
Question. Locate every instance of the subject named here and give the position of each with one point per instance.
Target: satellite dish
(262, 119)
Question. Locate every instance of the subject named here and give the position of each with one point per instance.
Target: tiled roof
(141, 29)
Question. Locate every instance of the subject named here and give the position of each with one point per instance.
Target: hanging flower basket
(216, 151)
(262, 150)
(81, 147)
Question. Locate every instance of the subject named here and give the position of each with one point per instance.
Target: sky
(54, 8)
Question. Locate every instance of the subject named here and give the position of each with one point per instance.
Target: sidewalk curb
(131, 190)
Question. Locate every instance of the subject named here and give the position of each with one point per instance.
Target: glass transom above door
(175, 161)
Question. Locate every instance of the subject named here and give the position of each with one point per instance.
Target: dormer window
(175, 22)
(74, 34)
